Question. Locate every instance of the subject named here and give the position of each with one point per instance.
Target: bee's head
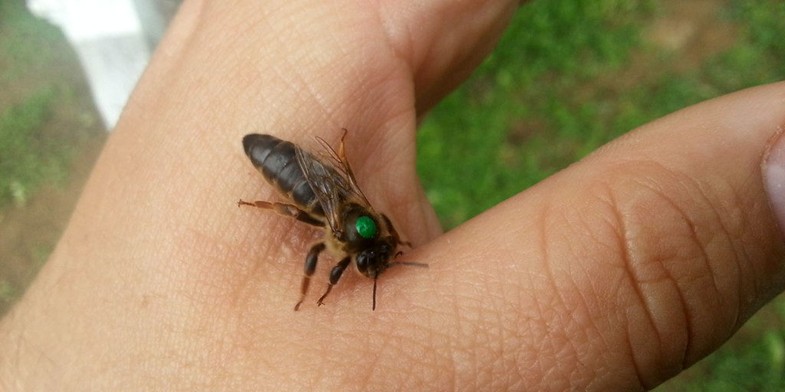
(374, 242)
(368, 237)
(373, 260)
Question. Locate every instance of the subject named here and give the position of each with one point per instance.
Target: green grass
(46, 119)
(24, 160)
(568, 77)
(519, 119)
(29, 45)
(29, 156)
(754, 360)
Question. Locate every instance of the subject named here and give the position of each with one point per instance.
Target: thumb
(629, 266)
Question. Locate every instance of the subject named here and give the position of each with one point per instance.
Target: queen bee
(323, 192)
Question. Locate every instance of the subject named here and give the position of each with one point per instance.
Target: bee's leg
(335, 275)
(344, 161)
(341, 148)
(395, 233)
(284, 209)
(310, 267)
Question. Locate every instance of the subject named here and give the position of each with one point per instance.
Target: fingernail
(774, 178)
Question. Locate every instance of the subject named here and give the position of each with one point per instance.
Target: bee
(324, 193)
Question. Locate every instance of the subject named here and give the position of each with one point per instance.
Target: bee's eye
(366, 227)
(364, 260)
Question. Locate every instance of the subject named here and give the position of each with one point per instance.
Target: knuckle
(676, 243)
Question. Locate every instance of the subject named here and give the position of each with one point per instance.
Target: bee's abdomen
(276, 159)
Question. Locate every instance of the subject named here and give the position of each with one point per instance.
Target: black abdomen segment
(276, 159)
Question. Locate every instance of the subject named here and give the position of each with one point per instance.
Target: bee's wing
(343, 166)
(329, 184)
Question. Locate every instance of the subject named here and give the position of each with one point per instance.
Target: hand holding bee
(613, 274)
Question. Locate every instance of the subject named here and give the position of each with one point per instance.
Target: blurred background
(567, 77)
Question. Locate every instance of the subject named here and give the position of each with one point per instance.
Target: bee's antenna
(410, 264)
(374, 294)
(407, 263)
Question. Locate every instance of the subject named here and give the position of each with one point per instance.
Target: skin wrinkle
(704, 256)
(206, 331)
(696, 239)
(739, 251)
(474, 375)
(521, 359)
(544, 328)
(434, 81)
(463, 337)
(218, 55)
(281, 37)
(240, 345)
(442, 353)
(478, 335)
(371, 367)
(501, 371)
(415, 349)
(517, 357)
(384, 88)
(584, 299)
(401, 39)
(315, 90)
(18, 342)
(627, 259)
(690, 330)
(451, 341)
(724, 230)
(403, 373)
(662, 339)
(692, 227)
(617, 285)
(284, 268)
(423, 64)
(488, 331)
(493, 340)
(580, 363)
(373, 175)
(556, 340)
(400, 63)
(550, 337)
(568, 314)
(15, 362)
(299, 84)
(318, 374)
(358, 91)
(187, 20)
(729, 234)
(397, 53)
(381, 188)
(240, 296)
(751, 181)
(580, 298)
(238, 289)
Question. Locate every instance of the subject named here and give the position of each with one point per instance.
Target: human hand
(613, 274)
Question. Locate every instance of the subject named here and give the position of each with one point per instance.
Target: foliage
(518, 119)
(22, 161)
(31, 153)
